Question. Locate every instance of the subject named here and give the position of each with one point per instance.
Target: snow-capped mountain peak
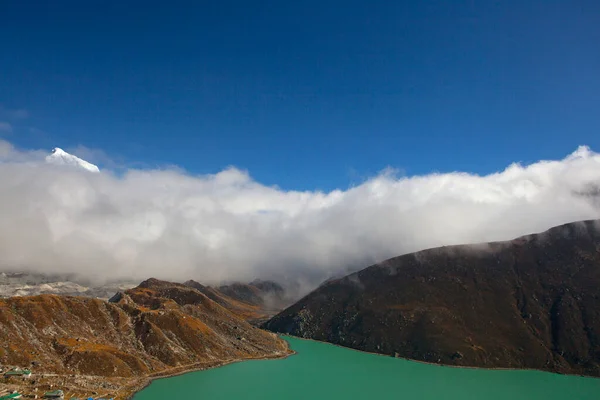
(61, 157)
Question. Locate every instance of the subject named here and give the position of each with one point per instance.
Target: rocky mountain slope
(256, 301)
(247, 311)
(533, 302)
(154, 327)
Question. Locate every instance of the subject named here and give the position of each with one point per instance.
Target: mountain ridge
(531, 302)
(151, 329)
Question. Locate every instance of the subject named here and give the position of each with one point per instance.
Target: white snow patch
(61, 157)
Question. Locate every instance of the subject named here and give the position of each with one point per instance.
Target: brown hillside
(255, 302)
(533, 302)
(247, 311)
(152, 328)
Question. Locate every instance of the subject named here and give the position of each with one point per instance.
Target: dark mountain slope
(533, 302)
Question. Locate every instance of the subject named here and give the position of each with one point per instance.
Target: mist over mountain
(227, 227)
(31, 284)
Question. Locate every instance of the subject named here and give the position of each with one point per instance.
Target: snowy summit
(61, 157)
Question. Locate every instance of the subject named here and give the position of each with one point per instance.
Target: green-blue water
(323, 371)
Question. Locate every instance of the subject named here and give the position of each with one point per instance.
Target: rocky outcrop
(533, 302)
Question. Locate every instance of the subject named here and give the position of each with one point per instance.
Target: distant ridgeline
(533, 302)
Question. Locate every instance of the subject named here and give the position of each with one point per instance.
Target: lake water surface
(324, 371)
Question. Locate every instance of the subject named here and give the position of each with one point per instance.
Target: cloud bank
(213, 228)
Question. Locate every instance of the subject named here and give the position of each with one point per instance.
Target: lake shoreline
(141, 385)
(136, 388)
(439, 365)
(328, 372)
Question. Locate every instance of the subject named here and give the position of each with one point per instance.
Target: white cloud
(94, 156)
(171, 225)
(5, 127)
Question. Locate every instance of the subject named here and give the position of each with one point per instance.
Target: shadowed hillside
(533, 302)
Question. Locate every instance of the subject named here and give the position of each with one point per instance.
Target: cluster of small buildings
(18, 373)
(56, 394)
(26, 373)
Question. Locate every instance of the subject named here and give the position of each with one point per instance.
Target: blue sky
(304, 95)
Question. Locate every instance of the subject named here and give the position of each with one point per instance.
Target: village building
(11, 396)
(55, 394)
(18, 372)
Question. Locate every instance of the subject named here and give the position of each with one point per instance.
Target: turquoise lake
(324, 371)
